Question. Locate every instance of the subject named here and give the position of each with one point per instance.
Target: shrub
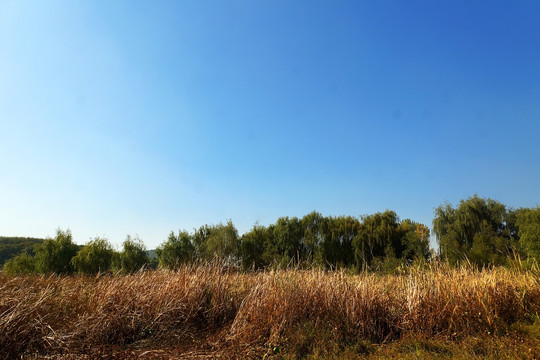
(54, 255)
(20, 264)
(175, 251)
(133, 256)
(94, 257)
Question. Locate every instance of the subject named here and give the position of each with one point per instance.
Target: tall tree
(94, 257)
(218, 241)
(415, 240)
(378, 235)
(176, 250)
(253, 246)
(337, 246)
(528, 222)
(286, 241)
(133, 257)
(313, 226)
(481, 230)
(54, 255)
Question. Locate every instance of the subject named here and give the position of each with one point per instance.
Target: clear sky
(142, 117)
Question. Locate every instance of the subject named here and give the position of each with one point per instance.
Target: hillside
(11, 246)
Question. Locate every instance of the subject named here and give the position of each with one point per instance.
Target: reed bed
(212, 308)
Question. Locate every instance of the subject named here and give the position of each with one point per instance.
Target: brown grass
(211, 311)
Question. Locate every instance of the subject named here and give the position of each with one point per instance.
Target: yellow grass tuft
(214, 308)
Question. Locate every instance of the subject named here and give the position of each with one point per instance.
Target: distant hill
(151, 254)
(13, 246)
(153, 258)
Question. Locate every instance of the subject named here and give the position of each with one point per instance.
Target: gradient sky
(142, 117)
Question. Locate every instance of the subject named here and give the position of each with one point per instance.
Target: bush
(21, 264)
(133, 256)
(176, 250)
(528, 221)
(54, 255)
(94, 257)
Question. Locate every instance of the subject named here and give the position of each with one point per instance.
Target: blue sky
(142, 117)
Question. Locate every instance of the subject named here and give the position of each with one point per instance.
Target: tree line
(11, 246)
(480, 231)
(486, 232)
(60, 255)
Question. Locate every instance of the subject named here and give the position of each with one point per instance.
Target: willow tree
(528, 222)
(177, 250)
(480, 230)
(54, 254)
(95, 257)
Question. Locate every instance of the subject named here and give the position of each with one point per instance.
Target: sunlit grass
(216, 311)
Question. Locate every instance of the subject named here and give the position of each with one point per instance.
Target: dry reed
(73, 315)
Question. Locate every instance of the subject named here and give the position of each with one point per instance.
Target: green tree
(252, 247)
(176, 250)
(12, 246)
(133, 256)
(94, 257)
(218, 241)
(314, 227)
(378, 234)
(481, 230)
(285, 244)
(21, 264)
(488, 247)
(54, 255)
(336, 248)
(415, 240)
(528, 223)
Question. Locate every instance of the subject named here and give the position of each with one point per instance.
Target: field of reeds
(212, 311)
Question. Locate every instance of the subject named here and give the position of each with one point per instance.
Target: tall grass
(218, 308)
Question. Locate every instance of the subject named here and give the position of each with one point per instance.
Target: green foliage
(315, 231)
(133, 256)
(252, 247)
(342, 241)
(51, 256)
(12, 246)
(378, 233)
(217, 241)
(94, 257)
(285, 246)
(54, 255)
(20, 265)
(176, 250)
(382, 241)
(338, 234)
(481, 230)
(528, 222)
(415, 240)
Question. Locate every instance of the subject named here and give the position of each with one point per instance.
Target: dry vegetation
(212, 311)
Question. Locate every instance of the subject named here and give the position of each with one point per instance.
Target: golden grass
(212, 311)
